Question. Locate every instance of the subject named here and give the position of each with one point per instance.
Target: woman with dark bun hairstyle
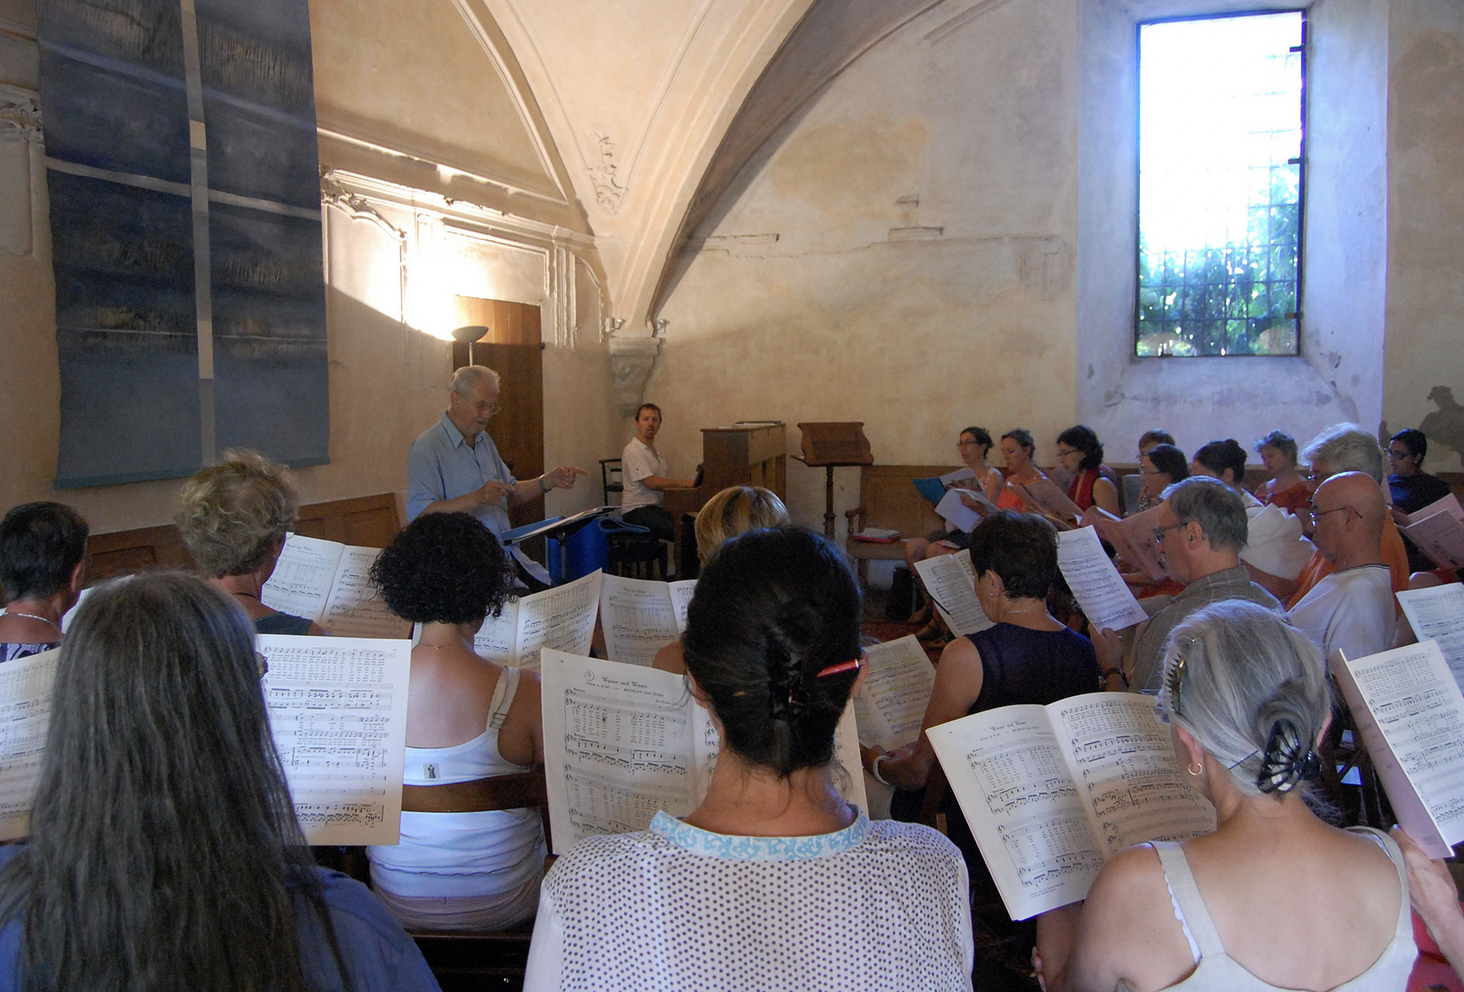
(1248, 907)
(773, 882)
(164, 853)
(467, 718)
(1224, 460)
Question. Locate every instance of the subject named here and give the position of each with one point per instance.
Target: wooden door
(513, 348)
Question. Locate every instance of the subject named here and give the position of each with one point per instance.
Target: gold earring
(1195, 768)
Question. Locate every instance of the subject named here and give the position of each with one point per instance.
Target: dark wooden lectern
(834, 445)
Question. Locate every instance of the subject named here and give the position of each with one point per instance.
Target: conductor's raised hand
(563, 477)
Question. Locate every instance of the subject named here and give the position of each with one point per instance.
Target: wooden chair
(638, 556)
(610, 479)
(464, 960)
(887, 499)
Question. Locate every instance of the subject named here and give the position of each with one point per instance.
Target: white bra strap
(1187, 897)
(503, 694)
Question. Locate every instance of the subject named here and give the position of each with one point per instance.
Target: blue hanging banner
(186, 231)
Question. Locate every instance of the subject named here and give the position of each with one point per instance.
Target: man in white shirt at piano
(645, 476)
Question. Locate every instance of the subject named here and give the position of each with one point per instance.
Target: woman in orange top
(1286, 488)
(1016, 450)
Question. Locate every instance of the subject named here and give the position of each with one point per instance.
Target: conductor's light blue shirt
(441, 465)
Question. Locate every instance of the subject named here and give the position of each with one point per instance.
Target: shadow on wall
(1445, 425)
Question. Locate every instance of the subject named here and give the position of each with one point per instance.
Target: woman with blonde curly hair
(234, 517)
(733, 511)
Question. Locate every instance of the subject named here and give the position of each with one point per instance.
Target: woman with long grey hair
(164, 850)
(1253, 905)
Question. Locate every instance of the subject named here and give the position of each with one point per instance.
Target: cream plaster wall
(370, 82)
(901, 255)
(1426, 225)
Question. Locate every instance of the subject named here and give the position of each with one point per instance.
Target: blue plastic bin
(588, 548)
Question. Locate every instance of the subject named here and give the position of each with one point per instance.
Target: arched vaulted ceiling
(656, 106)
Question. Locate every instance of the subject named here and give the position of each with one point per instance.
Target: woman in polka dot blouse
(773, 882)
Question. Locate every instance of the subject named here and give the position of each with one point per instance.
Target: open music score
(1410, 714)
(1105, 598)
(25, 716)
(1437, 614)
(1051, 791)
(641, 616)
(330, 583)
(338, 714)
(891, 705)
(562, 618)
(337, 711)
(623, 741)
(951, 582)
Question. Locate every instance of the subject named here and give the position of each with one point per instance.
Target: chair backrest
(1133, 485)
(891, 500)
(521, 790)
(610, 480)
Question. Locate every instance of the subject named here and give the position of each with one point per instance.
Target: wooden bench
(365, 521)
(888, 499)
(475, 960)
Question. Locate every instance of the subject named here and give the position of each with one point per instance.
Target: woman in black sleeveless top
(1026, 656)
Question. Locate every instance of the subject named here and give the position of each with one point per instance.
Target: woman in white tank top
(1274, 898)
(467, 718)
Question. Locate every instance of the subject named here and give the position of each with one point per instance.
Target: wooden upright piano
(741, 454)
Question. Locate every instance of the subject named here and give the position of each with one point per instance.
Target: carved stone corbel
(631, 360)
(608, 191)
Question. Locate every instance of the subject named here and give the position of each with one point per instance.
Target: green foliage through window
(1220, 183)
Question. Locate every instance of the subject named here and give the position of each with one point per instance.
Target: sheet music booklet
(623, 741)
(561, 617)
(641, 616)
(935, 488)
(891, 705)
(1051, 791)
(951, 584)
(518, 535)
(1132, 538)
(330, 583)
(1437, 614)
(1438, 531)
(1047, 498)
(337, 712)
(1104, 596)
(1410, 713)
(954, 511)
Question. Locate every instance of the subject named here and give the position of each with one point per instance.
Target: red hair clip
(846, 666)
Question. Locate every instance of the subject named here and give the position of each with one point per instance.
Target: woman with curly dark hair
(467, 718)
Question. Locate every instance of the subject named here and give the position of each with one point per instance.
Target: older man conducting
(454, 465)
